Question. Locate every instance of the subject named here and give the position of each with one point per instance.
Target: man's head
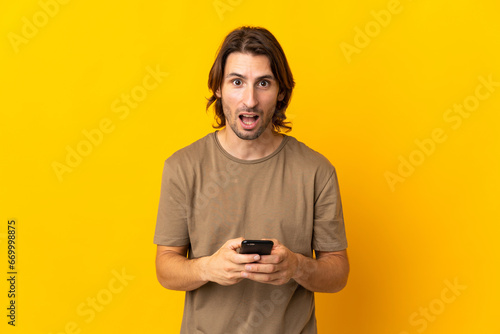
(251, 77)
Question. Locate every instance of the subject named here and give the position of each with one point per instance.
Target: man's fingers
(245, 258)
(275, 279)
(261, 268)
(270, 259)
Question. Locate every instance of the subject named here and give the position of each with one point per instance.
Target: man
(249, 181)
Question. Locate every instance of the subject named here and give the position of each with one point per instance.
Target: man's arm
(176, 272)
(327, 273)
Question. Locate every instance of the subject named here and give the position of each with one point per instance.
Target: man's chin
(251, 135)
(248, 136)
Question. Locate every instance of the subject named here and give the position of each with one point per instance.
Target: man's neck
(254, 149)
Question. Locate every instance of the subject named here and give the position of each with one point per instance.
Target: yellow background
(363, 113)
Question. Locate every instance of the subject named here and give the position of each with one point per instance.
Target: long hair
(255, 41)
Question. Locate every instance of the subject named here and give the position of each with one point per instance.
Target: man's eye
(237, 82)
(264, 83)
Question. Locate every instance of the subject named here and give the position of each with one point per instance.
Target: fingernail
(248, 268)
(244, 274)
(256, 257)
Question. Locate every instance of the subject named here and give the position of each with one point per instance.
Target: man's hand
(327, 273)
(277, 268)
(226, 265)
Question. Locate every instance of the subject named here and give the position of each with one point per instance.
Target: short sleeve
(329, 230)
(171, 223)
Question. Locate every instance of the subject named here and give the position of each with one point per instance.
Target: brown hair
(256, 41)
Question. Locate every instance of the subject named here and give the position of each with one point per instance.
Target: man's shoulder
(192, 152)
(308, 157)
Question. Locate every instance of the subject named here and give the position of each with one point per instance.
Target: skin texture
(249, 87)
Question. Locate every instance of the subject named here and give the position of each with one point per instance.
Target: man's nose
(249, 97)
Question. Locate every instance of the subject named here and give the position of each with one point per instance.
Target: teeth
(253, 117)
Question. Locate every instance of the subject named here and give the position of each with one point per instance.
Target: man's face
(249, 94)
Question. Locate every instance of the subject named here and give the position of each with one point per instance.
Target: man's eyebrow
(234, 74)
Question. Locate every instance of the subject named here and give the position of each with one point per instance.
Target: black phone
(261, 247)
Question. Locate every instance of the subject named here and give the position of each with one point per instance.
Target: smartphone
(261, 247)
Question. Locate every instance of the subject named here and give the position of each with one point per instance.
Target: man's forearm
(326, 274)
(176, 272)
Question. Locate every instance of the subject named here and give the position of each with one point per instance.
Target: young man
(250, 181)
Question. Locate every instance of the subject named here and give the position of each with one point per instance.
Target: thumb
(234, 243)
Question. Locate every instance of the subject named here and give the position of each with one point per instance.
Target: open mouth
(249, 121)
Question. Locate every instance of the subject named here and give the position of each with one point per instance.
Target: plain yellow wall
(402, 96)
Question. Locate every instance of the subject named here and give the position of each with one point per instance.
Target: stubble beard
(243, 134)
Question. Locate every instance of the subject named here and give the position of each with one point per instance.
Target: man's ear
(281, 96)
(217, 93)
